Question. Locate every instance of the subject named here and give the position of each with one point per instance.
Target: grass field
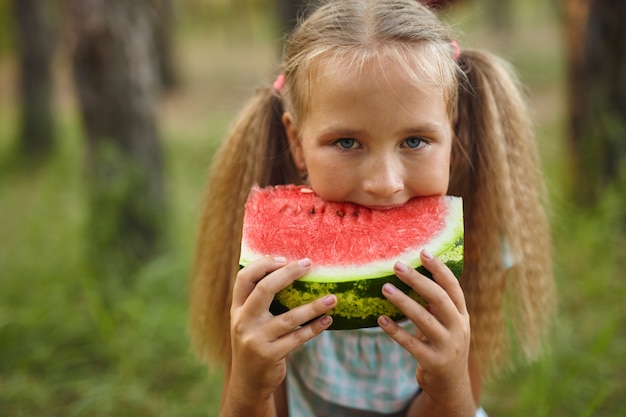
(66, 351)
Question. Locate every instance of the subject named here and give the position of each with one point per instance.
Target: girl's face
(371, 137)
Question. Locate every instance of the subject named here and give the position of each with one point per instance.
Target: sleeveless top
(356, 373)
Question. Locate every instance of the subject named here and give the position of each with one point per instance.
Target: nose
(384, 177)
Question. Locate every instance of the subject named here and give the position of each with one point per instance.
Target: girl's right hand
(261, 341)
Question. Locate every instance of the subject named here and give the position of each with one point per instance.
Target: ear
(295, 146)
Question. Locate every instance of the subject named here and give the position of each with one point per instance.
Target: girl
(376, 105)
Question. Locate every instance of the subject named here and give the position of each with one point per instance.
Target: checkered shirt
(356, 373)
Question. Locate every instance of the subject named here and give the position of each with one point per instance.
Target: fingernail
(329, 300)
(280, 259)
(427, 254)
(383, 320)
(305, 262)
(389, 289)
(326, 320)
(401, 267)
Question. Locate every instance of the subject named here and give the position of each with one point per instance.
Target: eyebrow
(424, 128)
(338, 131)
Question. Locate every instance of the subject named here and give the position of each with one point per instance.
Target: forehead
(394, 70)
(381, 74)
(374, 99)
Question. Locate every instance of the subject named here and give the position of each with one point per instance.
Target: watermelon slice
(353, 248)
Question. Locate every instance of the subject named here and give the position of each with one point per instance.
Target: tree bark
(597, 84)
(35, 39)
(116, 77)
(168, 74)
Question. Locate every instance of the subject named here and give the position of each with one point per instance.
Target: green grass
(583, 372)
(66, 351)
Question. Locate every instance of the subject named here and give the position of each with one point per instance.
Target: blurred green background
(66, 350)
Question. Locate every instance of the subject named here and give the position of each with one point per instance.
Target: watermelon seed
(340, 213)
(312, 211)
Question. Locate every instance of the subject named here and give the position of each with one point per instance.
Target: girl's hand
(260, 341)
(441, 344)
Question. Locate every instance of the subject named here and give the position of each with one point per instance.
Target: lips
(383, 207)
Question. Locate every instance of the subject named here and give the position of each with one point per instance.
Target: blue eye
(414, 143)
(346, 143)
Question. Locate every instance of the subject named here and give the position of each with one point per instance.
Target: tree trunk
(35, 36)
(116, 76)
(289, 11)
(168, 75)
(597, 62)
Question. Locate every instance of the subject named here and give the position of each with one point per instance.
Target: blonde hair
(495, 168)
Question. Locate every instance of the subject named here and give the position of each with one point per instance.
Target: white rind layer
(445, 239)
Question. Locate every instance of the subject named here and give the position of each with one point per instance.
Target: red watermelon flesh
(353, 248)
(293, 222)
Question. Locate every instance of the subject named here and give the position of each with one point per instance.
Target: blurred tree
(168, 75)
(7, 18)
(36, 40)
(116, 77)
(597, 86)
(289, 11)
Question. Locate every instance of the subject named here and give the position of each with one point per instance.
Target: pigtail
(508, 277)
(256, 151)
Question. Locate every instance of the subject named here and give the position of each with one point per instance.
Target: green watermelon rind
(445, 239)
(360, 302)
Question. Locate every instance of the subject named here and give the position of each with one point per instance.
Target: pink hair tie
(457, 49)
(279, 83)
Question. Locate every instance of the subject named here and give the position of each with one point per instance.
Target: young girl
(375, 105)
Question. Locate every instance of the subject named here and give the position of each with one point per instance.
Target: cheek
(329, 181)
(430, 178)
(444, 174)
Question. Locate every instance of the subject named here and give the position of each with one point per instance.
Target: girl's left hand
(441, 345)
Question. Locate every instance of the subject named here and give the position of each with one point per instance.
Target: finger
(439, 301)
(263, 293)
(419, 335)
(299, 336)
(250, 275)
(445, 278)
(286, 322)
(427, 324)
(416, 346)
